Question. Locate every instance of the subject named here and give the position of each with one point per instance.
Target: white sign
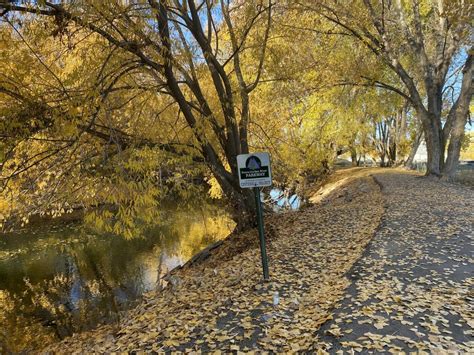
(254, 170)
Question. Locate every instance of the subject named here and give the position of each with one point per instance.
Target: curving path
(381, 264)
(413, 288)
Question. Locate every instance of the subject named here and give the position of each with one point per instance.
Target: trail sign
(254, 170)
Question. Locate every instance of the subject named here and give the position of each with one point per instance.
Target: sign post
(254, 172)
(261, 233)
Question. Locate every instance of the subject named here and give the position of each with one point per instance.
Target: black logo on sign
(253, 163)
(254, 169)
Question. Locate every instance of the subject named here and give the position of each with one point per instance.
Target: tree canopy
(112, 106)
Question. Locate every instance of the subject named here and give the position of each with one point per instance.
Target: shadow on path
(412, 289)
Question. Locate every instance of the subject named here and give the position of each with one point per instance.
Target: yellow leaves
(334, 331)
(4, 209)
(351, 344)
(380, 324)
(366, 310)
(433, 328)
(215, 191)
(397, 299)
(393, 288)
(42, 184)
(171, 343)
(220, 303)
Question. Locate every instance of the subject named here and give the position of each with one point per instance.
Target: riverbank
(221, 302)
(382, 261)
(60, 277)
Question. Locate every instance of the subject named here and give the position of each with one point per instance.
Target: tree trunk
(433, 144)
(414, 148)
(392, 154)
(458, 116)
(454, 150)
(354, 161)
(244, 209)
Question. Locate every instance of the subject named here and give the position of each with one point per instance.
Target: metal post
(261, 233)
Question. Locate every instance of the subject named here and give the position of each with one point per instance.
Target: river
(58, 278)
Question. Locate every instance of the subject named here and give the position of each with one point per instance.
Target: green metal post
(261, 233)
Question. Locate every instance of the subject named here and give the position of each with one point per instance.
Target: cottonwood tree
(389, 135)
(83, 127)
(424, 44)
(180, 45)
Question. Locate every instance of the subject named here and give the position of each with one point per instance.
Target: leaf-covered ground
(413, 289)
(222, 303)
(409, 289)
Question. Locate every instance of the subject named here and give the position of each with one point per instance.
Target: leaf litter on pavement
(409, 290)
(412, 290)
(221, 304)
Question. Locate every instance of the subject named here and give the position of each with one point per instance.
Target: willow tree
(424, 43)
(182, 46)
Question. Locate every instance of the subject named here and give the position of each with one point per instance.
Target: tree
(81, 127)
(179, 46)
(424, 44)
(390, 133)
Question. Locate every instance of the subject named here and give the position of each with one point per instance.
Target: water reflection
(57, 279)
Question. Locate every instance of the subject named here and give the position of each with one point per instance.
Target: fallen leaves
(411, 291)
(222, 304)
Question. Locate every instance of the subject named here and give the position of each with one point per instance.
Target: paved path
(407, 250)
(413, 288)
